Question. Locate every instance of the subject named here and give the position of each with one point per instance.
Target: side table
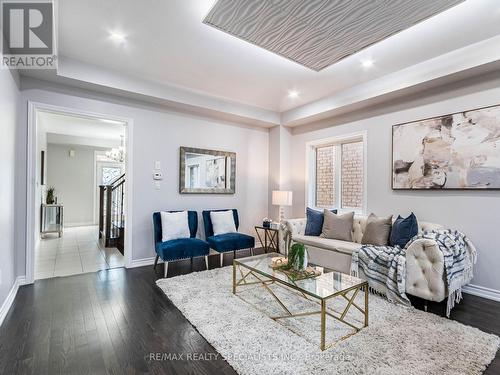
(271, 238)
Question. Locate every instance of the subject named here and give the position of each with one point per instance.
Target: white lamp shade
(282, 198)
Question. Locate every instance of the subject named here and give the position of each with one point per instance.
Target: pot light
(292, 94)
(367, 63)
(117, 37)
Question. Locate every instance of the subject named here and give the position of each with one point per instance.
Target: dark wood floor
(114, 321)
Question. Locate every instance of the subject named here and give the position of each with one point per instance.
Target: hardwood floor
(115, 321)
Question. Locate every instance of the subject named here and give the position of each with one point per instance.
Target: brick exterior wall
(325, 172)
(352, 175)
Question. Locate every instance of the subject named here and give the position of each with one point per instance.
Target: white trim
(143, 262)
(482, 291)
(311, 167)
(95, 215)
(9, 300)
(33, 108)
(80, 224)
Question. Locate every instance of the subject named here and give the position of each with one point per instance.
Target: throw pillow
(337, 227)
(314, 224)
(403, 230)
(174, 225)
(377, 230)
(222, 222)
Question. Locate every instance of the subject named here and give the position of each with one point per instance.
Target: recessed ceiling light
(117, 37)
(292, 94)
(367, 63)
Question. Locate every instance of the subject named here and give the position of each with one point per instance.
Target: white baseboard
(481, 291)
(21, 280)
(82, 224)
(142, 262)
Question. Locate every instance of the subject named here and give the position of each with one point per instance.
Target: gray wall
(476, 213)
(73, 179)
(9, 99)
(158, 134)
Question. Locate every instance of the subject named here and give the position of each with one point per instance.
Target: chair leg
(251, 251)
(221, 259)
(234, 254)
(191, 264)
(206, 261)
(166, 269)
(156, 262)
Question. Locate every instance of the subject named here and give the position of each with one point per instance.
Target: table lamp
(282, 198)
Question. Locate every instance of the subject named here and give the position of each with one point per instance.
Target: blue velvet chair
(182, 248)
(226, 242)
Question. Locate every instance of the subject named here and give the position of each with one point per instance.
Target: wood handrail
(112, 183)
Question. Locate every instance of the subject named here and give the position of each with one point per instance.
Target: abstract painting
(457, 151)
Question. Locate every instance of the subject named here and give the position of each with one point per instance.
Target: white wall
(73, 179)
(158, 134)
(9, 99)
(476, 213)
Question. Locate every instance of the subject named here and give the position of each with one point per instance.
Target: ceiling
(319, 33)
(169, 53)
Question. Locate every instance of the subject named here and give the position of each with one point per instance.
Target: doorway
(71, 155)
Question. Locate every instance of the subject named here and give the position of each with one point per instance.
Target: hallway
(77, 251)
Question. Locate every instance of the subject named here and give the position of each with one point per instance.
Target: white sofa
(424, 261)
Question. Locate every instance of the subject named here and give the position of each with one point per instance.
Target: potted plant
(297, 257)
(50, 199)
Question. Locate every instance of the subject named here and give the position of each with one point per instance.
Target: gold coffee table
(328, 285)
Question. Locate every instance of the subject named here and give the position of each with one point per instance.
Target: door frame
(32, 152)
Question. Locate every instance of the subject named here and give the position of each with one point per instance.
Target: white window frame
(310, 187)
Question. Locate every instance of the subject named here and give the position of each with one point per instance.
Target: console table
(52, 219)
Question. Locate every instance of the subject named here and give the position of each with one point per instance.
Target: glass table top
(328, 284)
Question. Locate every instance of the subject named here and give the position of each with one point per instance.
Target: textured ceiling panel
(318, 33)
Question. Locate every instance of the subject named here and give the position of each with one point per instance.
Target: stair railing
(111, 215)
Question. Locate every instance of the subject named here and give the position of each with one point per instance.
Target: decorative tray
(281, 264)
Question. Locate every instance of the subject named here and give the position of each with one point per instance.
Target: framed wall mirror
(207, 171)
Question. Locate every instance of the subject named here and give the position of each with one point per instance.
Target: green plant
(297, 256)
(50, 195)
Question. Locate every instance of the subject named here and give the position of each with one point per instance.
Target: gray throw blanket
(385, 266)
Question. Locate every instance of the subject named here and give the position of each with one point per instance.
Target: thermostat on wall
(157, 176)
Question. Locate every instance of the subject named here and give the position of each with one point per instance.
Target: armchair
(182, 248)
(229, 241)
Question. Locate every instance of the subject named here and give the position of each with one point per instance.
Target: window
(109, 174)
(325, 176)
(338, 174)
(352, 175)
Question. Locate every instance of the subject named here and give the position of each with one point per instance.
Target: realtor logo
(28, 30)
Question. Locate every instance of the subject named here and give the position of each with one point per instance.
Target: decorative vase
(298, 257)
(301, 267)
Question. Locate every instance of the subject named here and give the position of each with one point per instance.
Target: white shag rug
(398, 340)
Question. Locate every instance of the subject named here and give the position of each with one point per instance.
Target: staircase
(111, 216)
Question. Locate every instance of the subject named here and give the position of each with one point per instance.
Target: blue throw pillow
(314, 224)
(403, 230)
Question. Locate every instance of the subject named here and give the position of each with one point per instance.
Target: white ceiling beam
(77, 74)
(447, 66)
